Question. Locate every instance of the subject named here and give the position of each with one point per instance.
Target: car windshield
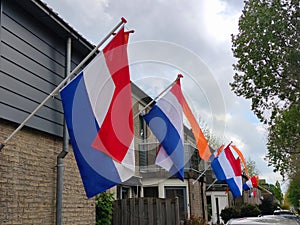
(280, 212)
(264, 220)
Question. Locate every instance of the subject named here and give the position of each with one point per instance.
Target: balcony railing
(148, 169)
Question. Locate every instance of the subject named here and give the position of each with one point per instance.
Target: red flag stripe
(116, 132)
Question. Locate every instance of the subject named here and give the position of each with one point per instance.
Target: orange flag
(202, 144)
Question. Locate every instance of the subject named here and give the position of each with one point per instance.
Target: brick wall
(28, 181)
(196, 199)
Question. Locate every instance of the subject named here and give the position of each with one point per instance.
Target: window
(209, 207)
(151, 192)
(123, 192)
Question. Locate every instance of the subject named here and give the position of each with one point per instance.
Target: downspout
(203, 199)
(65, 150)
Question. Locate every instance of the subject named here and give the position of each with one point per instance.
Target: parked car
(283, 212)
(263, 220)
(288, 214)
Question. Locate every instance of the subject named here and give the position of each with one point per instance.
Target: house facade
(37, 50)
(34, 44)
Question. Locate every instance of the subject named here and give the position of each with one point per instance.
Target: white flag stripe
(100, 88)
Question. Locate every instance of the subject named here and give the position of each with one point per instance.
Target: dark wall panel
(32, 65)
(22, 91)
(29, 41)
(36, 122)
(19, 74)
(26, 63)
(45, 59)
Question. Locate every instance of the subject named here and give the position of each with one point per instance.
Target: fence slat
(150, 210)
(146, 211)
(176, 206)
(159, 212)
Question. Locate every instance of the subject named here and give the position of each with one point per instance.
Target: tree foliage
(251, 166)
(267, 48)
(284, 142)
(293, 192)
(214, 141)
(276, 191)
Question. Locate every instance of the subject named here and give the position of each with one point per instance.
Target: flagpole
(123, 21)
(265, 189)
(211, 184)
(201, 175)
(158, 96)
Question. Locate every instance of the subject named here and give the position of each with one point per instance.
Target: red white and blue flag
(227, 167)
(253, 194)
(165, 120)
(98, 111)
(251, 183)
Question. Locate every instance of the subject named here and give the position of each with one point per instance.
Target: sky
(188, 37)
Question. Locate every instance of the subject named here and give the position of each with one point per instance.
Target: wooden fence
(146, 211)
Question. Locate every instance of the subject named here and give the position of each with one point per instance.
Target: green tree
(284, 142)
(251, 166)
(214, 141)
(286, 204)
(293, 192)
(267, 48)
(276, 191)
(268, 53)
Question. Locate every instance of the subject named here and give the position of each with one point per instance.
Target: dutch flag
(227, 167)
(98, 111)
(165, 120)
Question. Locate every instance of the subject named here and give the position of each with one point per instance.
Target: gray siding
(32, 65)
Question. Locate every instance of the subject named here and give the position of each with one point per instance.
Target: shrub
(267, 206)
(229, 213)
(195, 220)
(104, 208)
(248, 210)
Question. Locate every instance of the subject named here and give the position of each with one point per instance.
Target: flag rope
(122, 22)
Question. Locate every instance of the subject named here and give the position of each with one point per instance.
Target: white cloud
(221, 24)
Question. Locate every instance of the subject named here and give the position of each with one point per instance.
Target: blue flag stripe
(215, 165)
(97, 170)
(168, 136)
(233, 187)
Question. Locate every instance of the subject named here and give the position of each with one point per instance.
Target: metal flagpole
(265, 189)
(159, 95)
(212, 184)
(201, 175)
(123, 21)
